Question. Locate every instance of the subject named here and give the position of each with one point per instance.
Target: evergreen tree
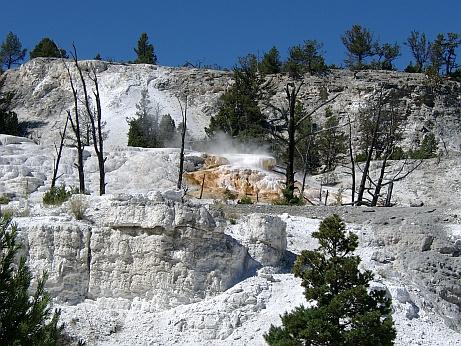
(239, 114)
(305, 58)
(386, 53)
(167, 130)
(144, 129)
(331, 142)
(345, 312)
(11, 51)
(420, 48)
(136, 136)
(8, 119)
(428, 148)
(46, 48)
(443, 53)
(306, 143)
(360, 44)
(145, 51)
(270, 64)
(24, 320)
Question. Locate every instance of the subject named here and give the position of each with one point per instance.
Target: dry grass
(78, 206)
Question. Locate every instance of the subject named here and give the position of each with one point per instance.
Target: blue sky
(219, 31)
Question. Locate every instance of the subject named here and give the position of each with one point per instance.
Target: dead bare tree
(375, 116)
(284, 128)
(75, 119)
(183, 137)
(58, 154)
(95, 117)
(381, 130)
(351, 157)
(391, 133)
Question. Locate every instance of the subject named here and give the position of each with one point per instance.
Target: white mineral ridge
(243, 313)
(44, 94)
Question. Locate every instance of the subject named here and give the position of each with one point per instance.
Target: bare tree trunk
(379, 183)
(320, 192)
(75, 125)
(203, 185)
(371, 149)
(290, 174)
(95, 120)
(351, 156)
(183, 136)
(291, 125)
(305, 163)
(304, 181)
(389, 194)
(100, 151)
(59, 153)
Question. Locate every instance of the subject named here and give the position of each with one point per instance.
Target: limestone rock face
(265, 237)
(166, 253)
(62, 248)
(43, 94)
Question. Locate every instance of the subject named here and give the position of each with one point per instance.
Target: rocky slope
(140, 258)
(43, 95)
(140, 247)
(142, 267)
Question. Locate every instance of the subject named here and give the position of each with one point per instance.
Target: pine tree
(11, 51)
(167, 131)
(331, 142)
(24, 320)
(270, 64)
(305, 58)
(239, 114)
(8, 119)
(386, 53)
(145, 51)
(443, 53)
(420, 49)
(360, 44)
(345, 311)
(144, 129)
(428, 148)
(46, 48)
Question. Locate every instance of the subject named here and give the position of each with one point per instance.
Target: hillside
(148, 264)
(43, 95)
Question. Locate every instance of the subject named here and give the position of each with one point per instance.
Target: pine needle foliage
(343, 311)
(24, 319)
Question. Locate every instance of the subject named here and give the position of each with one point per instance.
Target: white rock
(265, 237)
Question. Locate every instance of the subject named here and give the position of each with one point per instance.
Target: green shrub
(58, 195)
(398, 154)
(361, 157)
(427, 150)
(286, 200)
(245, 200)
(8, 119)
(7, 214)
(4, 199)
(229, 195)
(412, 69)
